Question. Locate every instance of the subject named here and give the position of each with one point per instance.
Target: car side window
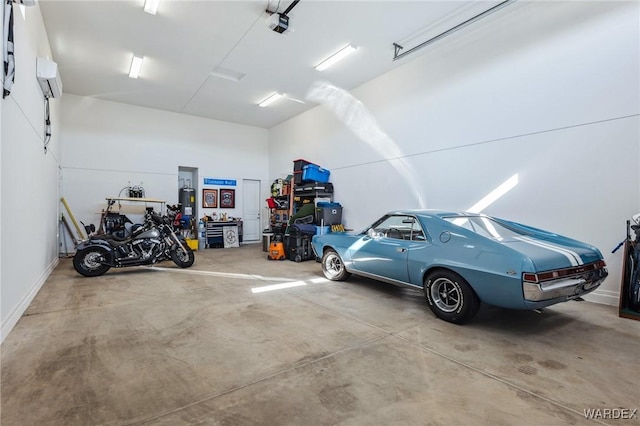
(400, 227)
(417, 234)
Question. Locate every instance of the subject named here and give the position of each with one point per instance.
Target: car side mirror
(374, 234)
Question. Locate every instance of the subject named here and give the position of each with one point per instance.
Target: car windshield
(484, 226)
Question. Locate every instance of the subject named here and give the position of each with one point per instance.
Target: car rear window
(484, 226)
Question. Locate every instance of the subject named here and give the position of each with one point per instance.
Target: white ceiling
(93, 42)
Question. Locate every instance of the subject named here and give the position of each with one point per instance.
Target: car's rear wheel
(450, 297)
(332, 266)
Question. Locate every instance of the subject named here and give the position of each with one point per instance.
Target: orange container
(276, 251)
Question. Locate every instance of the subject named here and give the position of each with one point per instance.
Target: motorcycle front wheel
(88, 262)
(183, 257)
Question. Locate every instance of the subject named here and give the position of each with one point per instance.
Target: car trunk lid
(547, 255)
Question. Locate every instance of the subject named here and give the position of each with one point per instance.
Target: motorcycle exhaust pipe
(128, 262)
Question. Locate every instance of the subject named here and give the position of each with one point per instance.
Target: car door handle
(401, 249)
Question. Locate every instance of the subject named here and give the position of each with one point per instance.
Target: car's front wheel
(450, 297)
(332, 266)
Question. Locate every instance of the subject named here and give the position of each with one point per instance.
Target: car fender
(338, 242)
(503, 290)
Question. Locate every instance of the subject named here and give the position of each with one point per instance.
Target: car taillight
(552, 275)
(542, 276)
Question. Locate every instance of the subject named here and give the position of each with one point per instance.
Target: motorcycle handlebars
(157, 219)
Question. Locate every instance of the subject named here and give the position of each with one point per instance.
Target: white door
(251, 210)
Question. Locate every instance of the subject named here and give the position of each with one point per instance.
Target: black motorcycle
(150, 243)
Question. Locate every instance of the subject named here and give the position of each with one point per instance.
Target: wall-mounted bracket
(396, 50)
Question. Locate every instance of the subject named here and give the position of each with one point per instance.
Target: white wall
(547, 90)
(29, 177)
(106, 145)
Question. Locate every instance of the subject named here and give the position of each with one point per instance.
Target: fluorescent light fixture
(272, 98)
(136, 65)
(151, 6)
(339, 55)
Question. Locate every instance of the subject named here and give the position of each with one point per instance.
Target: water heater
(187, 198)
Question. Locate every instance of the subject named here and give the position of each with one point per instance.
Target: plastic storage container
(299, 164)
(313, 173)
(326, 188)
(329, 214)
(320, 230)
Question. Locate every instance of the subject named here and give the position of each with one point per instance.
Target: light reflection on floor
(283, 284)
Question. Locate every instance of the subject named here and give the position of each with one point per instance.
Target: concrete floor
(166, 346)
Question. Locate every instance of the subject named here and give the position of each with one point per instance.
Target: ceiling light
(340, 54)
(272, 98)
(136, 65)
(151, 6)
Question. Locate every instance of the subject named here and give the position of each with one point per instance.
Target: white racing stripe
(574, 258)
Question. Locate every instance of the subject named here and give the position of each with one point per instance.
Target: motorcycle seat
(113, 240)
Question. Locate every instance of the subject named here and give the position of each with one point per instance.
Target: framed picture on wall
(227, 198)
(210, 198)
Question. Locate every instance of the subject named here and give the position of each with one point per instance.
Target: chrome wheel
(183, 256)
(91, 261)
(446, 295)
(332, 266)
(450, 297)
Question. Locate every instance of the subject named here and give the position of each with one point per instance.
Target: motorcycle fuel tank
(151, 233)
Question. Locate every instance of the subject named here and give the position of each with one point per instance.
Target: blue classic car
(461, 259)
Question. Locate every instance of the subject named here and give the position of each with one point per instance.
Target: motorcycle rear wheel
(183, 257)
(88, 262)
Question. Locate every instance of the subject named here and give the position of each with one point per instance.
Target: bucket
(193, 244)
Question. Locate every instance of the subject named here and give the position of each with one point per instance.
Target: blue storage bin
(328, 204)
(322, 230)
(312, 172)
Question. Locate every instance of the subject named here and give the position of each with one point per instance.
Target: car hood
(547, 255)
